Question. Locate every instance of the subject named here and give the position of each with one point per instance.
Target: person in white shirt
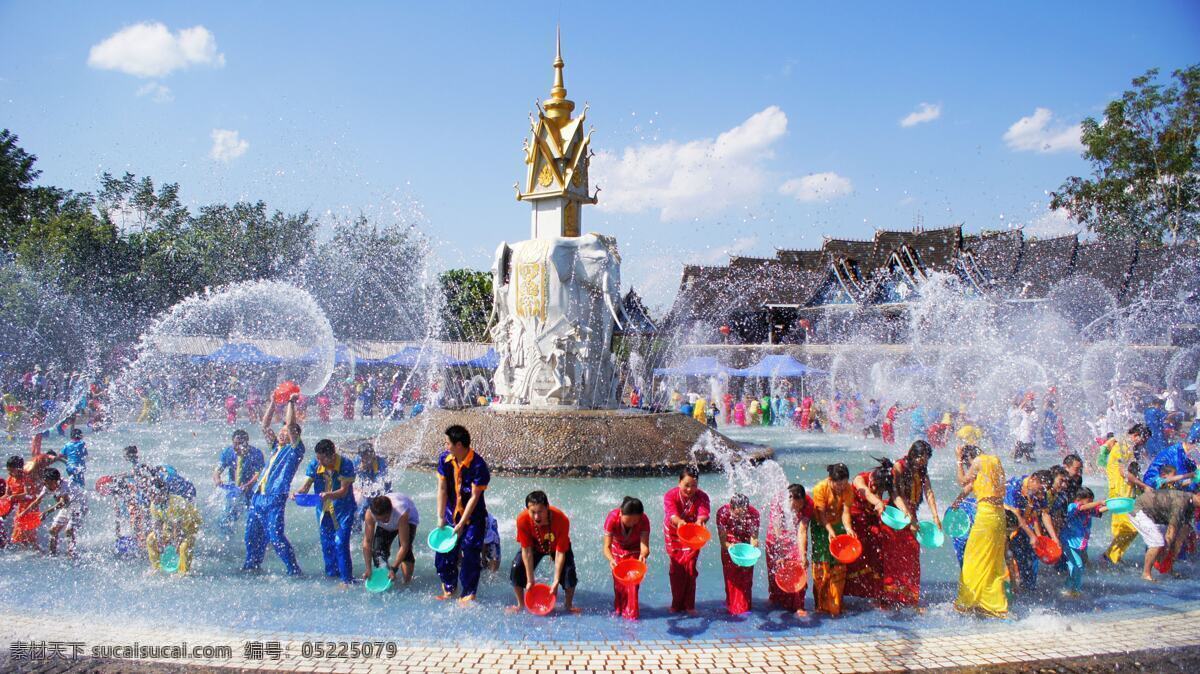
(392, 516)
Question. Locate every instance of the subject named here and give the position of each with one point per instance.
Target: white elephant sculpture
(555, 304)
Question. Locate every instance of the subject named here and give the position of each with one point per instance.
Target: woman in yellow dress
(1116, 469)
(981, 585)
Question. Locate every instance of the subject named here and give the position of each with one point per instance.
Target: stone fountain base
(569, 442)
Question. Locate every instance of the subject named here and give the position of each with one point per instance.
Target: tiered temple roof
(1006, 265)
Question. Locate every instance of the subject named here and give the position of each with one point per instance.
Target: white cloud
(227, 146)
(1054, 222)
(158, 93)
(925, 112)
(817, 187)
(695, 178)
(151, 50)
(1034, 133)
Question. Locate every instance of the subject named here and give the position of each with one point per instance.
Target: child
(1169, 478)
(737, 522)
(626, 535)
(69, 502)
(490, 557)
(173, 521)
(1077, 529)
(335, 515)
(19, 491)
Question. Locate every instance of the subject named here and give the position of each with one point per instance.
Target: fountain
(556, 303)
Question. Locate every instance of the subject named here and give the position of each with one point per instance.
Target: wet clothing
(782, 545)
(683, 569)
(75, 454)
(984, 571)
(1176, 455)
(1020, 546)
(1077, 530)
(1166, 507)
(1123, 531)
(265, 518)
(237, 470)
(335, 517)
(625, 543)
(739, 580)
(175, 522)
(829, 575)
(462, 564)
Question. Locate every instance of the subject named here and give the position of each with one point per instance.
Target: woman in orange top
(832, 498)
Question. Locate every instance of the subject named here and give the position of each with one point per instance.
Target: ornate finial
(558, 108)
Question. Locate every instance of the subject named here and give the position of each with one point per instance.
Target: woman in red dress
(902, 566)
(872, 493)
(626, 535)
(787, 540)
(737, 522)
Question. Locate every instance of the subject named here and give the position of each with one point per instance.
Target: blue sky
(722, 127)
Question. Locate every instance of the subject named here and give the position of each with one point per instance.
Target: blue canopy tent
(412, 356)
(778, 366)
(696, 366)
(488, 361)
(238, 354)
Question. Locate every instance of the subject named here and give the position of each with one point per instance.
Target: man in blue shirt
(463, 476)
(264, 520)
(333, 475)
(1176, 455)
(1026, 497)
(75, 453)
(241, 464)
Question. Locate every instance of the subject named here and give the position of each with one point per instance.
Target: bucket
(308, 500)
(1047, 550)
(956, 524)
(1120, 505)
(895, 518)
(379, 581)
(929, 536)
(791, 576)
(693, 536)
(285, 391)
(168, 561)
(845, 548)
(539, 600)
(442, 539)
(744, 554)
(630, 571)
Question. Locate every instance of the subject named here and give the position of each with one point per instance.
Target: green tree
(369, 281)
(1145, 182)
(466, 305)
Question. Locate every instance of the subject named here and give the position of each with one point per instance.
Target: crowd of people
(1015, 525)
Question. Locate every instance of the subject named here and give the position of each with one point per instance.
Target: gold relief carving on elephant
(532, 288)
(545, 176)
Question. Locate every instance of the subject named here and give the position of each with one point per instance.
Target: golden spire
(558, 108)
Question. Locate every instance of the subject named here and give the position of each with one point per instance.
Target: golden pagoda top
(558, 108)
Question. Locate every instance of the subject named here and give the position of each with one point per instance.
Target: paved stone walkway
(30, 640)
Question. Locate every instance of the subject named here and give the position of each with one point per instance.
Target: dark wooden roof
(637, 316)
(996, 253)
(1109, 262)
(808, 259)
(1044, 262)
(936, 249)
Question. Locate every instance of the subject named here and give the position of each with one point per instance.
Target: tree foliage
(103, 266)
(467, 306)
(1145, 156)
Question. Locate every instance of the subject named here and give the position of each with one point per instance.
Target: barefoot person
(626, 535)
(981, 582)
(241, 464)
(542, 531)
(737, 522)
(1116, 467)
(832, 498)
(463, 476)
(70, 506)
(264, 520)
(173, 521)
(683, 504)
(333, 475)
(1163, 517)
(787, 541)
(390, 517)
